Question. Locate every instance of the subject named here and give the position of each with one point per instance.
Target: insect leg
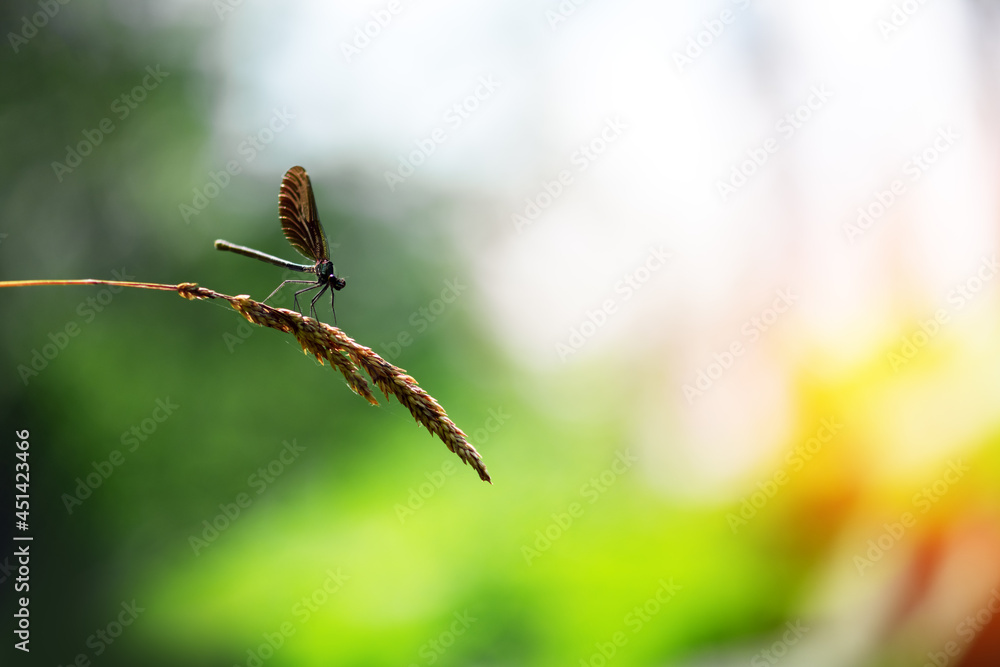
(307, 289)
(312, 306)
(308, 282)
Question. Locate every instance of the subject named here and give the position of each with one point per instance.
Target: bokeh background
(711, 286)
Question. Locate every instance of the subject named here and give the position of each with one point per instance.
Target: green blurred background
(263, 514)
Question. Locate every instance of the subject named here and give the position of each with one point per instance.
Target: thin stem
(87, 281)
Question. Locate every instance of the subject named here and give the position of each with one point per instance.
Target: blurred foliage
(543, 586)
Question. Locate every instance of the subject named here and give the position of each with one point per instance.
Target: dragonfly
(300, 223)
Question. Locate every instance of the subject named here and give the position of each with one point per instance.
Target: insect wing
(299, 218)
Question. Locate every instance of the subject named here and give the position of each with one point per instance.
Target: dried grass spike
(330, 343)
(309, 336)
(393, 380)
